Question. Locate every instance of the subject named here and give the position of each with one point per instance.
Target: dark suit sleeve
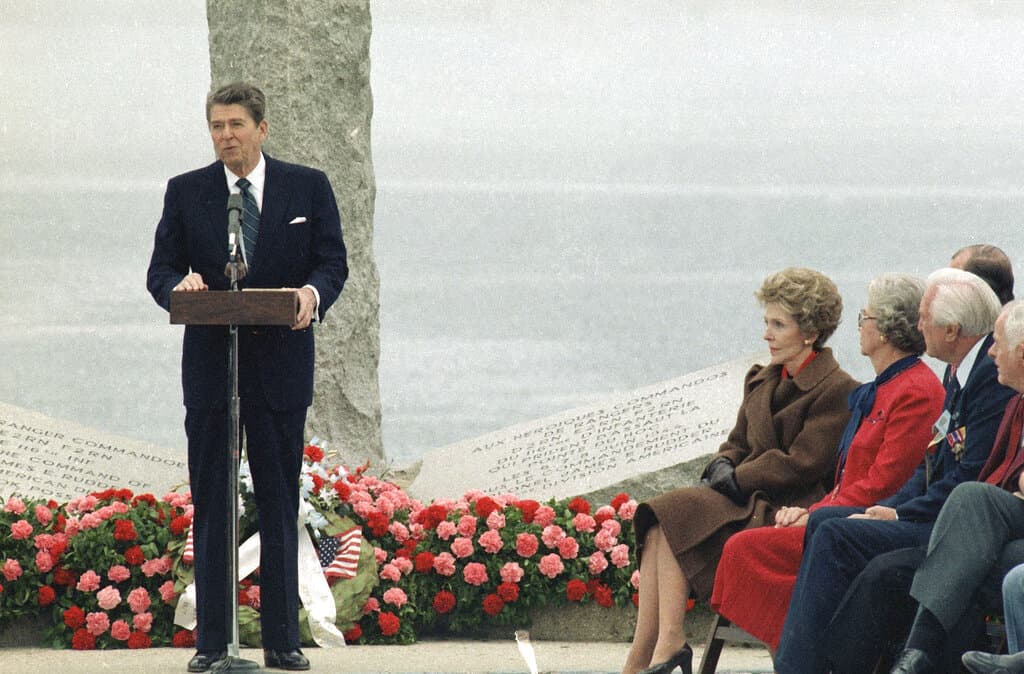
(981, 409)
(169, 262)
(329, 268)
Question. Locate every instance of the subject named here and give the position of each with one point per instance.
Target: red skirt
(755, 579)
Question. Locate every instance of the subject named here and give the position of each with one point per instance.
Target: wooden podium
(258, 306)
(232, 308)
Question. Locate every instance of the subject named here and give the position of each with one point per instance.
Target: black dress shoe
(203, 661)
(683, 659)
(293, 661)
(913, 661)
(988, 663)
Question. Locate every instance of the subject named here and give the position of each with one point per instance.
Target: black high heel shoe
(683, 659)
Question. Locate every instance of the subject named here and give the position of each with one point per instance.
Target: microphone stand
(235, 271)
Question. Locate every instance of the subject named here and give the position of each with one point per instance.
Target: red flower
(619, 499)
(636, 599)
(342, 489)
(575, 590)
(432, 516)
(318, 483)
(144, 498)
(424, 562)
(57, 549)
(82, 640)
(124, 530)
(690, 603)
(508, 591)
(603, 595)
(313, 453)
(444, 602)
(486, 505)
(493, 604)
(183, 639)
(180, 525)
(62, 522)
(378, 523)
(139, 640)
(579, 505)
(529, 509)
(353, 635)
(74, 617)
(46, 595)
(62, 576)
(389, 623)
(134, 556)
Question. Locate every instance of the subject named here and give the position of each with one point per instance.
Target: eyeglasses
(863, 316)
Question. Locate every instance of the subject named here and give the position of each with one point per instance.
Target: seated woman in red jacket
(884, 442)
(781, 451)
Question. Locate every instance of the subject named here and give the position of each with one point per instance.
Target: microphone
(235, 240)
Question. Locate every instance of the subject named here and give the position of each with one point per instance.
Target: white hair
(964, 299)
(1013, 323)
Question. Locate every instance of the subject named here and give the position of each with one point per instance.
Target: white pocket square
(298, 221)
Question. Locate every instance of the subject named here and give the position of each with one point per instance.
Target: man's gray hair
(961, 298)
(1013, 325)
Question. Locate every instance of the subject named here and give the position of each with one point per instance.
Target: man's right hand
(191, 283)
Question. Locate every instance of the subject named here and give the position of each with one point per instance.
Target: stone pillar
(312, 59)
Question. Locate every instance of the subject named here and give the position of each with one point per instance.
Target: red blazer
(891, 440)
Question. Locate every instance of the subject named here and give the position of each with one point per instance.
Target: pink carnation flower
(119, 508)
(444, 564)
(44, 541)
(158, 566)
(634, 580)
(544, 516)
(496, 520)
(551, 535)
(399, 531)
(90, 521)
(605, 541)
(120, 630)
(108, 597)
(88, 581)
(143, 622)
(605, 512)
(597, 563)
(138, 600)
(551, 565)
(584, 522)
(620, 556)
(526, 545)
(611, 526)
(21, 530)
(43, 514)
(404, 565)
(390, 572)
(12, 569)
(475, 573)
(15, 505)
(118, 573)
(491, 541)
(446, 530)
(627, 510)
(462, 547)
(467, 525)
(396, 597)
(380, 554)
(511, 573)
(371, 605)
(167, 592)
(97, 623)
(44, 561)
(568, 548)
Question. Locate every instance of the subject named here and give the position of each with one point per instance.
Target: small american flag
(339, 555)
(189, 554)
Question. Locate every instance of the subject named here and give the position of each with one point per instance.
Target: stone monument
(312, 59)
(643, 442)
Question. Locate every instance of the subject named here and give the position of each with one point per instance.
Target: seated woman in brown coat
(781, 452)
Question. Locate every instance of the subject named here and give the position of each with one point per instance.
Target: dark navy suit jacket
(290, 252)
(980, 406)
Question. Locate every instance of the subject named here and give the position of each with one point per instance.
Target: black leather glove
(720, 475)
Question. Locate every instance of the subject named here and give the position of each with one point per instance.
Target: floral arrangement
(108, 567)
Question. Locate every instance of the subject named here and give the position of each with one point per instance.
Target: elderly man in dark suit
(957, 313)
(293, 240)
(978, 535)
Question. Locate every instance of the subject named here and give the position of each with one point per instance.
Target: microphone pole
(235, 270)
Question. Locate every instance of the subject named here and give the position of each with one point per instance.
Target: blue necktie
(250, 220)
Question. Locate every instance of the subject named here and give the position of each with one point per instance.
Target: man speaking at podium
(292, 234)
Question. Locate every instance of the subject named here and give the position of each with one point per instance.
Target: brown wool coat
(782, 457)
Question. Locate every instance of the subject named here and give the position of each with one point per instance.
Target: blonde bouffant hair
(807, 295)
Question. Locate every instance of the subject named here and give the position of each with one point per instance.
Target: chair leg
(713, 647)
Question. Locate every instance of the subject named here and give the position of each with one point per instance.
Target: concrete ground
(430, 656)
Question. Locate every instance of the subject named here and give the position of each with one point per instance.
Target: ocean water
(499, 303)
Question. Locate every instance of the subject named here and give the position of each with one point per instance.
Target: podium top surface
(256, 306)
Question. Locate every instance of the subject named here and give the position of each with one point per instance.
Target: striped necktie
(250, 221)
